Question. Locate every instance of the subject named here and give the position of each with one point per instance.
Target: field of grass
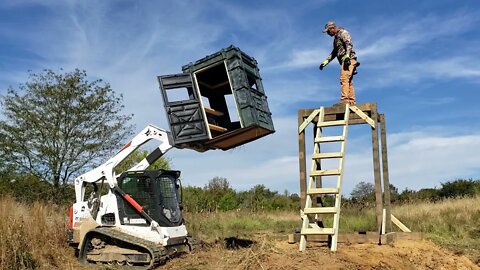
(34, 236)
(451, 223)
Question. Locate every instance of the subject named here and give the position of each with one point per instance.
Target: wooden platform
(336, 112)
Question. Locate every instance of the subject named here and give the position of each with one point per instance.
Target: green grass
(214, 226)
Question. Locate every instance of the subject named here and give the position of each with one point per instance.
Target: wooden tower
(311, 187)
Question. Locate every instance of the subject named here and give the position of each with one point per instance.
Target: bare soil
(278, 254)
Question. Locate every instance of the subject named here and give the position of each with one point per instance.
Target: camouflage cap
(328, 25)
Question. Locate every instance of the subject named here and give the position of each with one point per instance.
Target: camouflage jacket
(342, 44)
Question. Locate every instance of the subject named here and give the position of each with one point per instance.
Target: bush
(29, 189)
(458, 188)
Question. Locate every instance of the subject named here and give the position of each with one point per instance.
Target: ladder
(311, 215)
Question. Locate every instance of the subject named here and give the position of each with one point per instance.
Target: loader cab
(157, 192)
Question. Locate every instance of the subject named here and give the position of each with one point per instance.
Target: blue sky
(419, 64)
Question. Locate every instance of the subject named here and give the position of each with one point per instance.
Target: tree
(363, 192)
(58, 125)
(393, 193)
(215, 190)
(194, 199)
(136, 157)
(457, 188)
(260, 197)
(407, 195)
(428, 194)
(228, 201)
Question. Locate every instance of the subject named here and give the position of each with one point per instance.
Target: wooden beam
(217, 128)
(360, 238)
(318, 179)
(386, 180)
(399, 224)
(301, 161)
(384, 220)
(376, 174)
(340, 110)
(307, 121)
(363, 115)
(212, 111)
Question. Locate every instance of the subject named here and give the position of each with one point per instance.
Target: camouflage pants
(346, 84)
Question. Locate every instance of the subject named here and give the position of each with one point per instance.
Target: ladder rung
(320, 210)
(327, 155)
(313, 191)
(330, 139)
(325, 172)
(313, 231)
(331, 123)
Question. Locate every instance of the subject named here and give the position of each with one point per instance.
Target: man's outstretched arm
(327, 60)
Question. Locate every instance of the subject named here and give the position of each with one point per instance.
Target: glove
(323, 64)
(346, 62)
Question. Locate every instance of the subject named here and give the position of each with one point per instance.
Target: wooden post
(301, 161)
(386, 181)
(376, 172)
(318, 164)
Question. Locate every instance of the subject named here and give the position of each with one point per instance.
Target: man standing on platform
(343, 50)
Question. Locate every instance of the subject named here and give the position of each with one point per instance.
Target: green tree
(294, 197)
(217, 188)
(457, 188)
(477, 186)
(427, 194)
(407, 195)
(58, 125)
(228, 201)
(136, 157)
(363, 193)
(194, 199)
(261, 198)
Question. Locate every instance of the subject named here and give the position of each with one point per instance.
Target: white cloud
(405, 32)
(424, 71)
(418, 159)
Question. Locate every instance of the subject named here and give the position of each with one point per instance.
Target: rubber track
(158, 253)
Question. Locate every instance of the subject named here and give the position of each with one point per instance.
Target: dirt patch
(278, 254)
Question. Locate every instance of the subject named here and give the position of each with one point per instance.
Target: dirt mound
(266, 254)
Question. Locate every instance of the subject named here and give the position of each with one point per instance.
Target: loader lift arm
(106, 170)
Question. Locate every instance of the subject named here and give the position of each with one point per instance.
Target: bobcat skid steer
(133, 218)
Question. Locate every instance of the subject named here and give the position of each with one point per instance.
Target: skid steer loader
(133, 218)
